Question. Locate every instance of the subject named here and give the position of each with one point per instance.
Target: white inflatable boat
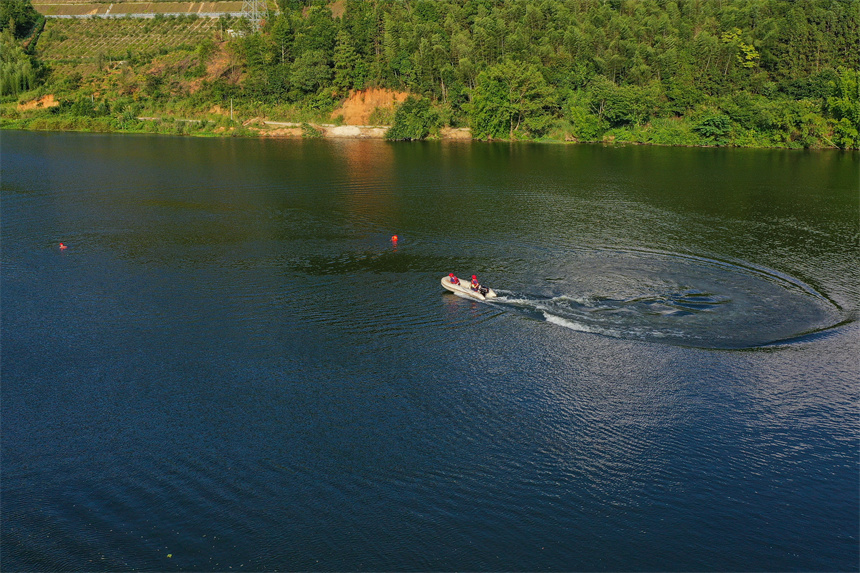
(463, 288)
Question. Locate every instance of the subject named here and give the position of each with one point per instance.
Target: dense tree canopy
(19, 16)
(523, 68)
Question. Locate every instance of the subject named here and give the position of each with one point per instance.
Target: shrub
(714, 128)
(382, 116)
(310, 132)
(413, 120)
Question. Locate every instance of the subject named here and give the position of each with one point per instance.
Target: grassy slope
(130, 68)
(113, 61)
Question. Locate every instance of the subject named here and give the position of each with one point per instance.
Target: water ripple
(676, 299)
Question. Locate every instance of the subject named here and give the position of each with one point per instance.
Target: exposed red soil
(360, 104)
(42, 102)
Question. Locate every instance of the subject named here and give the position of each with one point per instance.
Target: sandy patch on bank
(282, 132)
(42, 102)
(353, 131)
(455, 133)
(343, 131)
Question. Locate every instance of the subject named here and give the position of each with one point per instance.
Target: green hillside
(729, 72)
(72, 42)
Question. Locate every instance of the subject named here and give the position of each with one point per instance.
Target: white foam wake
(571, 324)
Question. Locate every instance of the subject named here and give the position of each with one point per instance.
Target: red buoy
(62, 246)
(394, 239)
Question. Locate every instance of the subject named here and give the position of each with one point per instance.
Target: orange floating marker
(394, 239)
(62, 246)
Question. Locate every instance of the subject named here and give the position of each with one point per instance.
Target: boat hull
(464, 289)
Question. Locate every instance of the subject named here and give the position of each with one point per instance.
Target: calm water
(232, 367)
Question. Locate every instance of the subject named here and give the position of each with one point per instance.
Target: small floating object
(63, 246)
(394, 239)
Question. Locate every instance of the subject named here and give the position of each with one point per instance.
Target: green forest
(756, 73)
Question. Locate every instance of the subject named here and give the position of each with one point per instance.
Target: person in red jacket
(476, 286)
(453, 279)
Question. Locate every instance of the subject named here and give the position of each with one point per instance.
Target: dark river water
(232, 366)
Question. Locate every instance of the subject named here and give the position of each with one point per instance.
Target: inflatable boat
(463, 288)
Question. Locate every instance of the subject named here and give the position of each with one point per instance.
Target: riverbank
(256, 127)
(363, 114)
(266, 129)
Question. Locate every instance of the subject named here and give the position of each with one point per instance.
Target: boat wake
(679, 300)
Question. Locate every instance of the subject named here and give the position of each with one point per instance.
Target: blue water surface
(233, 367)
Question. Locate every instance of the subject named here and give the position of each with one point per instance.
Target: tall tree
(844, 106)
(349, 70)
(509, 96)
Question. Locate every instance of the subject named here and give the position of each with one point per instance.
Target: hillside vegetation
(122, 8)
(696, 72)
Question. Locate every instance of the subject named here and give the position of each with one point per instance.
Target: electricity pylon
(253, 10)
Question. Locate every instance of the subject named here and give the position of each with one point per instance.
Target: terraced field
(73, 41)
(137, 9)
